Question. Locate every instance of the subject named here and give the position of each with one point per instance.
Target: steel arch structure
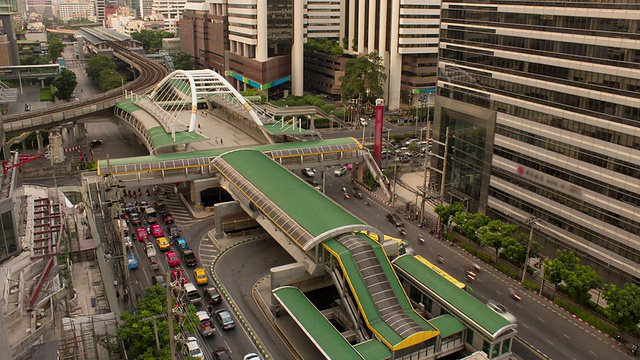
(181, 91)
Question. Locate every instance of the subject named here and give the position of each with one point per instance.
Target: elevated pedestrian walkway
(378, 293)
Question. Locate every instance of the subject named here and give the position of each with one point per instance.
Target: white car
(341, 171)
(252, 356)
(192, 349)
(501, 310)
(308, 172)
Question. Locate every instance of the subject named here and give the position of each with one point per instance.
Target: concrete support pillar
(56, 143)
(343, 24)
(262, 53)
(297, 53)
(395, 59)
(39, 139)
(362, 15)
(371, 39)
(312, 126)
(222, 209)
(72, 133)
(81, 131)
(352, 24)
(194, 193)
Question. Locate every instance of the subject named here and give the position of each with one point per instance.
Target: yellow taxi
(163, 243)
(201, 276)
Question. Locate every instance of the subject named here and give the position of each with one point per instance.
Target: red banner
(377, 141)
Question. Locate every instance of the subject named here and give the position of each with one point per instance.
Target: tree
(447, 212)
(182, 61)
(363, 78)
(624, 305)
(96, 64)
(515, 249)
(34, 60)
(109, 79)
(468, 224)
(580, 281)
(138, 335)
(496, 234)
(65, 84)
(56, 47)
(151, 40)
(558, 269)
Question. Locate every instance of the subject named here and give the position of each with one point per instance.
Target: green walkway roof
(286, 129)
(315, 325)
(160, 138)
(309, 208)
(373, 349)
(128, 106)
(459, 299)
(448, 325)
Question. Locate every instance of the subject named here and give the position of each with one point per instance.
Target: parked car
(163, 243)
(221, 354)
(181, 244)
(341, 171)
(132, 261)
(188, 257)
(201, 276)
(224, 318)
(308, 172)
(501, 310)
(206, 327)
(168, 219)
(212, 296)
(173, 231)
(156, 231)
(191, 348)
(172, 258)
(142, 234)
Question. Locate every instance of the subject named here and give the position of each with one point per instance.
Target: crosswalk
(208, 251)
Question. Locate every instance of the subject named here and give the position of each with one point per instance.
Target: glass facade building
(547, 95)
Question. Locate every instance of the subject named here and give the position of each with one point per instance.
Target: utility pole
(532, 223)
(427, 173)
(395, 178)
(155, 327)
(170, 317)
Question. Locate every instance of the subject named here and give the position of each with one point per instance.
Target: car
(181, 244)
(159, 279)
(156, 231)
(127, 241)
(173, 231)
(161, 207)
(410, 141)
(129, 208)
(134, 218)
(201, 276)
(172, 258)
(206, 327)
(168, 219)
(221, 354)
(224, 318)
(308, 172)
(252, 356)
(163, 243)
(188, 257)
(132, 261)
(212, 296)
(191, 348)
(501, 310)
(395, 220)
(315, 184)
(191, 293)
(142, 234)
(177, 276)
(341, 171)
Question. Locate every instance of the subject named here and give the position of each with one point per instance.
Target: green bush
(46, 95)
(328, 108)
(469, 248)
(281, 102)
(484, 257)
(338, 113)
(319, 103)
(586, 317)
(530, 285)
(290, 102)
(449, 237)
(506, 270)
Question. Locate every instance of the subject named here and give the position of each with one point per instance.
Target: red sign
(377, 140)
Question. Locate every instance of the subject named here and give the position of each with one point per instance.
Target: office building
(170, 11)
(542, 101)
(71, 11)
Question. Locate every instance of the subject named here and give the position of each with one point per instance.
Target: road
(548, 328)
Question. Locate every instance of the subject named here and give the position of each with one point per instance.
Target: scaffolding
(90, 338)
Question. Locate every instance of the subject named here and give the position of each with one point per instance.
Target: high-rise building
(170, 11)
(145, 9)
(100, 9)
(542, 103)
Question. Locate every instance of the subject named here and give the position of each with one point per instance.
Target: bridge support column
(39, 139)
(222, 209)
(72, 132)
(312, 125)
(285, 274)
(81, 131)
(57, 149)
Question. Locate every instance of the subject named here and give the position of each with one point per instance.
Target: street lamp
(364, 127)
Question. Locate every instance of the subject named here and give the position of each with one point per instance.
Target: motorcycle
(440, 260)
(147, 192)
(139, 191)
(346, 195)
(470, 276)
(402, 231)
(129, 193)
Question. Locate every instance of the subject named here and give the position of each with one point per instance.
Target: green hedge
(469, 248)
(587, 317)
(484, 257)
(530, 285)
(46, 95)
(506, 270)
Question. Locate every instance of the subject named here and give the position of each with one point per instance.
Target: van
(191, 293)
(151, 215)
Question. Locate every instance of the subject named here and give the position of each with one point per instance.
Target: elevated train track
(150, 73)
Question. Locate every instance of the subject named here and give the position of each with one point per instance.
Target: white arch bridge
(173, 104)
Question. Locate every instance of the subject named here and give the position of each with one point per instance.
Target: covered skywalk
(322, 333)
(378, 293)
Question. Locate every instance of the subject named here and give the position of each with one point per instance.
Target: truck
(152, 255)
(151, 215)
(206, 327)
(188, 257)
